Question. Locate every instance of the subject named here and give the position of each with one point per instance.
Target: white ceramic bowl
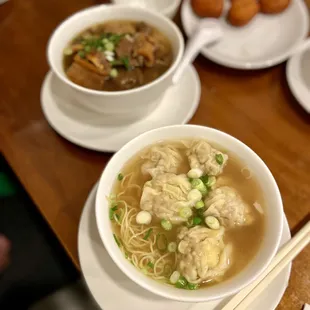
(273, 212)
(121, 105)
(168, 8)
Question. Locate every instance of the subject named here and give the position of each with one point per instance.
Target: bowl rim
(121, 263)
(173, 5)
(168, 9)
(81, 13)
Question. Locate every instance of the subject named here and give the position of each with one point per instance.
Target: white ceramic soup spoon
(207, 32)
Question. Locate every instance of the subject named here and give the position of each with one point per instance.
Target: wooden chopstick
(287, 253)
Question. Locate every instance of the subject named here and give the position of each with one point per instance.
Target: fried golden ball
(242, 12)
(208, 8)
(274, 6)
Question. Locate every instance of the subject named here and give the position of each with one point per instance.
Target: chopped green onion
(126, 63)
(111, 214)
(148, 233)
(87, 48)
(115, 38)
(205, 191)
(144, 217)
(109, 46)
(150, 264)
(116, 63)
(190, 222)
(166, 225)
(219, 159)
(181, 283)
(174, 277)
(161, 242)
(185, 212)
(194, 195)
(172, 247)
(200, 204)
(120, 216)
(198, 184)
(116, 240)
(211, 181)
(113, 73)
(120, 177)
(194, 173)
(197, 220)
(192, 286)
(81, 54)
(99, 48)
(204, 179)
(105, 41)
(200, 211)
(68, 51)
(212, 222)
(113, 204)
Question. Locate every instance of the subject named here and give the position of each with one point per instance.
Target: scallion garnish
(125, 61)
(116, 240)
(161, 242)
(219, 159)
(148, 233)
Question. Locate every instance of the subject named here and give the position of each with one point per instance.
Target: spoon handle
(207, 32)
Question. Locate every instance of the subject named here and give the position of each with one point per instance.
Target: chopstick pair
(289, 251)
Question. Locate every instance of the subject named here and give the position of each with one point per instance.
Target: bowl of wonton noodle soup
(189, 213)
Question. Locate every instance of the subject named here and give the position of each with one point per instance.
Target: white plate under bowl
(74, 123)
(298, 75)
(113, 290)
(266, 41)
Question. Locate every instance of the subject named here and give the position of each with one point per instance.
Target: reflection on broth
(183, 213)
(117, 55)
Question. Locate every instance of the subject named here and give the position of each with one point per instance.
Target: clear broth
(246, 240)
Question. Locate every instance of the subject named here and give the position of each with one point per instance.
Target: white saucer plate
(75, 124)
(266, 41)
(298, 75)
(112, 290)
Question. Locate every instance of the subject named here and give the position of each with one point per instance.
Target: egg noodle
(137, 242)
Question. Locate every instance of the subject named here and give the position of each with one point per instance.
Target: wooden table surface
(255, 107)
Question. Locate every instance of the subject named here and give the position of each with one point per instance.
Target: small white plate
(113, 290)
(266, 41)
(75, 124)
(298, 75)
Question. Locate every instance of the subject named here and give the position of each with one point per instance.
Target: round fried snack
(242, 11)
(274, 6)
(208, 8)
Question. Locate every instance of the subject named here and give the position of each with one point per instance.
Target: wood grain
(255, 107)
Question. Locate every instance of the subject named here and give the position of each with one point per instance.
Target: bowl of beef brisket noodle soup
(189, 213)
(118, 60)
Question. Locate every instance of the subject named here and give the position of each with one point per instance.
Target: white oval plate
(266, 41)
(298, 75)
(74, 124)
(112, 290)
